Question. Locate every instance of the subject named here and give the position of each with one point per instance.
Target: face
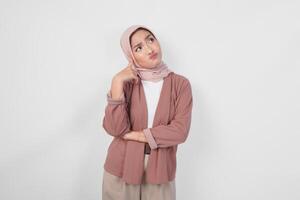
(144, 45)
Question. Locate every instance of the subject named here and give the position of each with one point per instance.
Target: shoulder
(180, 81)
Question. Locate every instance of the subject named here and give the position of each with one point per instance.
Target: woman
(148, 113)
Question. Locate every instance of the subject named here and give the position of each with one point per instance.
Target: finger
(132, 65)
(128, 137)
(135, 73)
(136, 78)
(125, 136)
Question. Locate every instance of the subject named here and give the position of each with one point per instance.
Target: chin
(151, 65)
(156, 63)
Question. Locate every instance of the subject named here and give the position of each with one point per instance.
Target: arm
(177, 130)
(116, 120)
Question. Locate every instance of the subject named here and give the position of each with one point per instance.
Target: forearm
(116, 89)
(136, 136)
(167, 135)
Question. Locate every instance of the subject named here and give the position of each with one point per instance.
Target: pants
(113, 188)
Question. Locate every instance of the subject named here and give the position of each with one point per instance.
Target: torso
(152, 93)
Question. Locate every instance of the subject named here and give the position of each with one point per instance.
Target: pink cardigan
(171, 125)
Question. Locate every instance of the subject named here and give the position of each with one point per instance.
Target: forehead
(139, 36)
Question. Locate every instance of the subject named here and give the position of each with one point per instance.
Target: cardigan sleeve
(116, 120)
(177, 130)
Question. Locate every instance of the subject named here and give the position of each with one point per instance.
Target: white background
(57, 59)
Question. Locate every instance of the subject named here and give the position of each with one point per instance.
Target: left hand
(135, 135)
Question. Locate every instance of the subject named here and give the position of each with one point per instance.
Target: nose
(149, 50)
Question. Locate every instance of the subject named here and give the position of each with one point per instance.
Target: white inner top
(152, 93)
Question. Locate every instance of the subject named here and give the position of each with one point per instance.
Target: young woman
(148, 113)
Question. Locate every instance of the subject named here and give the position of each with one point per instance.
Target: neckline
(146, 81)
(164, 80)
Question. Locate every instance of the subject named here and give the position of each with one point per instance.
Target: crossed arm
(116, 121)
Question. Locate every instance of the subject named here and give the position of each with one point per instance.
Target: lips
(153, 56)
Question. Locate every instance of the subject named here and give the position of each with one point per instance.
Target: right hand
(127, 74)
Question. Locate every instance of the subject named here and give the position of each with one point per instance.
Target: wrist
(142, 137)
(138, 134)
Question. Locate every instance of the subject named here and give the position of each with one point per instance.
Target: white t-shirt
(152, 93)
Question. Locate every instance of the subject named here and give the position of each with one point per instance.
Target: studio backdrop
(57, 59)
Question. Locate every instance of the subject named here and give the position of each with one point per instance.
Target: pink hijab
(154, 74)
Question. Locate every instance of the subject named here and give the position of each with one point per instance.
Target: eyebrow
(140, 42)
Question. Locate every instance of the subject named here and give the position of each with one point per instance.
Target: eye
(137, 49)
(151, 39)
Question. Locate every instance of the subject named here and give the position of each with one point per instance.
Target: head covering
(154, 74)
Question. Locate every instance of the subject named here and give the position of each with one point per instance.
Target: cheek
(157, 49)
(156, 45)
(140, 57)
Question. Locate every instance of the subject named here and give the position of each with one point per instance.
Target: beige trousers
(113, 188)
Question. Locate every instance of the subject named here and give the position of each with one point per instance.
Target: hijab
(153, 74)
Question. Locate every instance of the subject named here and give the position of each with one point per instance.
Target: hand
(136, 136)
(127, 73)
(118, 81)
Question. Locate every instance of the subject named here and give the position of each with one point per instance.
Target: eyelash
(150, 39)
